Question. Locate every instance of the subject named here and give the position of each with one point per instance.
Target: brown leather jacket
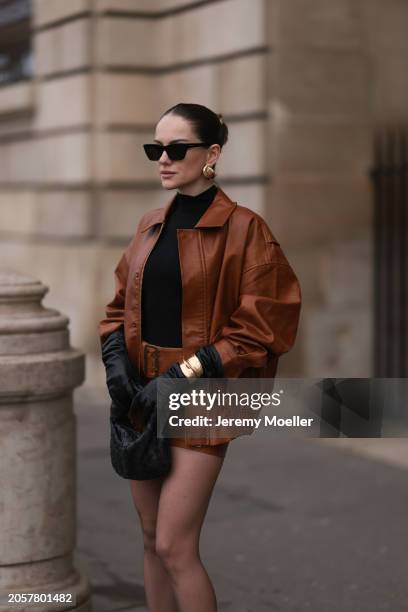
(239, 290)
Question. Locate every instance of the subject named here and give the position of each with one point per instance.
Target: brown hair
(208, 126)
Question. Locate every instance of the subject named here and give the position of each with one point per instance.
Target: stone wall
(336, 71)
(300, 83)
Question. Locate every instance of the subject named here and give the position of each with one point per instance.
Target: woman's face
(187, 172)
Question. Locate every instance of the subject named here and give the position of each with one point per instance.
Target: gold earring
(208, 172)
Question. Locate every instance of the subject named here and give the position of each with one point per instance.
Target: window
(15, 41)
(389, 175)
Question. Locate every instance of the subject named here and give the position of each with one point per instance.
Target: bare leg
(184, 499)
(158, 587)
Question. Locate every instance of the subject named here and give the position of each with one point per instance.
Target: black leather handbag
(138, 455)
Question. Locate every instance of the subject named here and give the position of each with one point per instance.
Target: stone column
(38, 373)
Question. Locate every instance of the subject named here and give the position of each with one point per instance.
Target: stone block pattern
(300, 97)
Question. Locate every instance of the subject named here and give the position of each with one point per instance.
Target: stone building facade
(302, 85)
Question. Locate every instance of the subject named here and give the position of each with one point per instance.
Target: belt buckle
(155, 355)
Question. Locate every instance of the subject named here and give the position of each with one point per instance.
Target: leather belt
(157, 359)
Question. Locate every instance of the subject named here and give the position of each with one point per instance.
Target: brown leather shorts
(154, 361)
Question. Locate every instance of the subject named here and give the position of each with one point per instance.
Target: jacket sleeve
(266, 319)
(115, 310)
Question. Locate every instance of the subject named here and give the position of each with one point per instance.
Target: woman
(203, 289)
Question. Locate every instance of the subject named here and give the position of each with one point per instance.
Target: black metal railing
(15, 41)
(390, 177)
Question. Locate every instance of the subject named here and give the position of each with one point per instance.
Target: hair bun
(207, 124)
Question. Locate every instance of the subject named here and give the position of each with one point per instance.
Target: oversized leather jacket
(239, 291)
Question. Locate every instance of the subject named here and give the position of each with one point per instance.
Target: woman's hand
(122, 379)
(146, 398)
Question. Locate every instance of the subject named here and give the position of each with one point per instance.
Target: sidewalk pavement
(305, 524)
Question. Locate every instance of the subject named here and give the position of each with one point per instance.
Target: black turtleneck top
(161, 284)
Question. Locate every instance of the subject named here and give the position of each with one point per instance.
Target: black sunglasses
(175, 151)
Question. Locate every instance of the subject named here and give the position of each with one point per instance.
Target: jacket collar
(215, 216)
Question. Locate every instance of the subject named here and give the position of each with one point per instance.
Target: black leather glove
(122, 379)
(146, 398)
(211, 361)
